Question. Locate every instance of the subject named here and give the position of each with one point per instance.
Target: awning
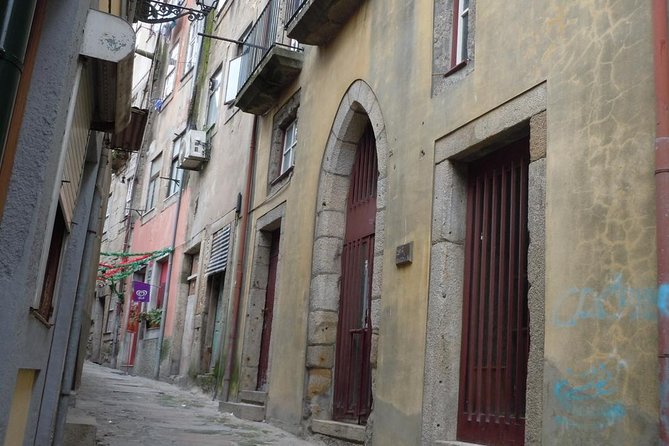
(130, 138)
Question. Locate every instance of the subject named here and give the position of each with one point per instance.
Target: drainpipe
(239, 274)
(16, 17)
(166, 300)
(661, 61)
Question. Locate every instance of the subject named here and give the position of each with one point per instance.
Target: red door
(268, 312)
(162, 284)
(352, 390)
(493, 365)
(131, 332)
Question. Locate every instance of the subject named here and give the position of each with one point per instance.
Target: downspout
(661, 61)
(239, 274)
(166, 300)
(16, 17)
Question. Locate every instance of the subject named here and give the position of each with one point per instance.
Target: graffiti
(615, 302)
(585, 399)
(663, 299)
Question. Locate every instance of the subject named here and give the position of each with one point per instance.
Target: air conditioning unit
(193, 150)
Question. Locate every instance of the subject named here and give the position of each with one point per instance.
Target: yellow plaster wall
(596, 59)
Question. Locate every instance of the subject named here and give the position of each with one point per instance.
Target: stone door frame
(522, 115)
(358, 106)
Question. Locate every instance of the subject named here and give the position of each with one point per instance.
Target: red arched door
(352, 392)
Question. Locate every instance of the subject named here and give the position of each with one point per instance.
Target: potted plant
(152, 317)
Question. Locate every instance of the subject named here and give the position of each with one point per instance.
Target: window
(284, 142)
(153, 182)
(460, 31)
(162, 283)
(105, 228)
(232, 86)
(193, 50)
(171, 75)
(214, 97)
(194, 261)
(453, 48)
(45, 309)
(220, 5)
(176, 174)
(289, 143)
(128, 196)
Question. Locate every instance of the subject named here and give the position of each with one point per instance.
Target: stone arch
(358, 106)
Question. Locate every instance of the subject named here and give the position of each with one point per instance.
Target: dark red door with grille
(493, 366)
(268, 312)
(352, 390)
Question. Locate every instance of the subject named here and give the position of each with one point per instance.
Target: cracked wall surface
(594, 62)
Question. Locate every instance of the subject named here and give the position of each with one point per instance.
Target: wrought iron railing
(292, 8)
(263, 36)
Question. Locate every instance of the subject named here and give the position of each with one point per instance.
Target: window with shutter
(220, 246)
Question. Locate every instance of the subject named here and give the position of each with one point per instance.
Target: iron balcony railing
(263, 36)
(293, 7)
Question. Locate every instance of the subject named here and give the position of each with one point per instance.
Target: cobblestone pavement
(131, 410)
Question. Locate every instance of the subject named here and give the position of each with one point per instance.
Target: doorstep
(453, 443)
(250, 412)
(345, 431)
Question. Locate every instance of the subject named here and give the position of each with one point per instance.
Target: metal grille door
(353, 393)
(493, 366)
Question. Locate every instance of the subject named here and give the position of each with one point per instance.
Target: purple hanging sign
(141, 292)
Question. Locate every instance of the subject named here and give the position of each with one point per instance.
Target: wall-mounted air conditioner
(193, 150)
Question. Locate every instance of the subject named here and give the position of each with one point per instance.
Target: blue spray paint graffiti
(663, 299)
(615, 302)
(585, 399)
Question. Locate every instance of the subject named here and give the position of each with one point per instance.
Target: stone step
(80, 428)
(253, 397)
(251, 412)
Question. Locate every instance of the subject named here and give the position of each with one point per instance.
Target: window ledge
(148, 215)
(166, 101)
(456, 68)
(187, 73)
(40, 317)
(281, 177)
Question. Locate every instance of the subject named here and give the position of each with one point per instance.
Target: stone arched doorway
(358, 110)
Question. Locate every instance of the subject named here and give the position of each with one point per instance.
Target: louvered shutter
(220, 246)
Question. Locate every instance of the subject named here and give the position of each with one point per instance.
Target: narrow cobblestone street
(132, 410)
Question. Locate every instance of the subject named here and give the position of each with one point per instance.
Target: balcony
(269, 64)
(316, 22)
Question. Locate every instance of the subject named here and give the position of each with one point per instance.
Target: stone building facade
(498, 263)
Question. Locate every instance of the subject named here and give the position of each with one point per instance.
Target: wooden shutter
(220, 247)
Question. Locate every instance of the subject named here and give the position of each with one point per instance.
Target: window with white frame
(105, 227)
(214, 97)
(289, 143)
(283, 145)
(171, 74)
(220, 5)
(176, 174)
(152, 190)
(193, 50)
(232, 85)
(460, 30)
(128, 195)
